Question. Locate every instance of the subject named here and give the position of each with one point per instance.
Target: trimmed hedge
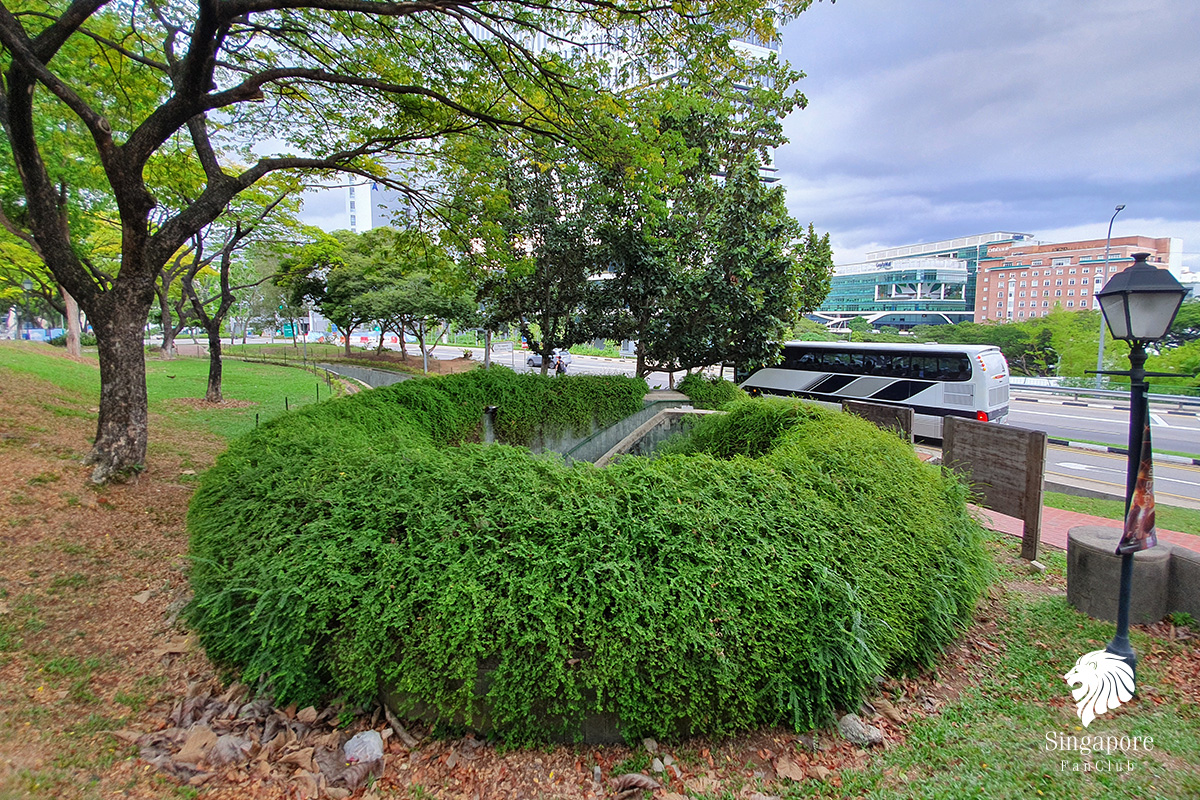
(348, 550)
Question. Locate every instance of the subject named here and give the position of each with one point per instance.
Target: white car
(535, 359)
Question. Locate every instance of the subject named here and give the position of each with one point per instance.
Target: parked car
(559, 355)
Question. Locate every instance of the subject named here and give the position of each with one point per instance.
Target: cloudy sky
(930, 119)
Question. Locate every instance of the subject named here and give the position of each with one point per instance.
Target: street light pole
(1100, 353)
(1138, 305)
(1138, 415)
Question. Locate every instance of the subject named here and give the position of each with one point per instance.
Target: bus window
(798, 359)
(954, 368)
(899, 367)
(925, 367)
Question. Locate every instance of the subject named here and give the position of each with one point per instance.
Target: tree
(1186, 327)
(342, 81)
(548, 256)
(704, 265)
(740, 278)
(860, 325)
(262, 214)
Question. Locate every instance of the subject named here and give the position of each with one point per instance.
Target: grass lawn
(92, 655)
(1172, 518)
(995, 740)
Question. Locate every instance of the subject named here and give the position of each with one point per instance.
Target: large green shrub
(348, 549)
(709, 392)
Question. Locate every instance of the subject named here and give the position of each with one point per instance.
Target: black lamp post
(1139, 304)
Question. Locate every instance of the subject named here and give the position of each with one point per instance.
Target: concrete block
(1183, 594)
(1094, 575)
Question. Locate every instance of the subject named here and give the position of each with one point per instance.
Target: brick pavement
(1056, 523)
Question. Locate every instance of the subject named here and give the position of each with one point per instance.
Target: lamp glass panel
(1151, 313)
(1113, 308)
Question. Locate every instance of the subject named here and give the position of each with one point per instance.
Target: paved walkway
(1056, 523)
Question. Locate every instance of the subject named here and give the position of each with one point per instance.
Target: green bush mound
(348, 550)
(709, 392)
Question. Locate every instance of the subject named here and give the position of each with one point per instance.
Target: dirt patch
(200, 404)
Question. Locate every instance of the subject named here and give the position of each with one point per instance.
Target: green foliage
(85, 340)
(709, 392)
(347, 550)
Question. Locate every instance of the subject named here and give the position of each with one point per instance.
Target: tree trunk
(121, 432)
(487, 349)
(213, 395)
(73, 347)
(346, 333)
(167, 349)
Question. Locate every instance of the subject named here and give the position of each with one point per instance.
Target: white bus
(934, 380)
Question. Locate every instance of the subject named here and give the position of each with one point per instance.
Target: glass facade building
(917, 284)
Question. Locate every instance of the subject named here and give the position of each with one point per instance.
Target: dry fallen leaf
(141, 598)
(635, 780)
(885, 707)
(301, 758)
(177, 645)
(199, 740)
(787, 768)
(701, 784)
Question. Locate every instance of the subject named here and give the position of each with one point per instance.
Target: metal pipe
(1100, 353)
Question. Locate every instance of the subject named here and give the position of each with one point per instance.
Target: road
(1170, 432)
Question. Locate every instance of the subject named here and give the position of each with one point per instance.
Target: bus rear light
(981, 416)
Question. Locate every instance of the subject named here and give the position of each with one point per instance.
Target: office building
(918, 284)
(1025, 280)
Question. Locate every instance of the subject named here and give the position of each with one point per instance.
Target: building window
(351, 205)
(1070, 281)
(1022, 283)
(1086, 270)
(1111, 269)
(1083, 290)
(1022, 295)
(1020, 313)
(1021, 304)
(1071, 271)
(1070, 304)
(1070, 292)
(1058, 282)
(1037, 262)
(352, 222)
(1045, 304)
(1024, 275)
(1061, 262)
(1058, 292)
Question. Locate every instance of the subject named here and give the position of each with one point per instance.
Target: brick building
(1023, 280)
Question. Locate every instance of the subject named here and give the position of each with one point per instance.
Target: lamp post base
(1120, 646)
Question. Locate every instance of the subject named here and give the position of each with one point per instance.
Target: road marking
(1087, 467)
(1157, 420)
(1119, 489)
